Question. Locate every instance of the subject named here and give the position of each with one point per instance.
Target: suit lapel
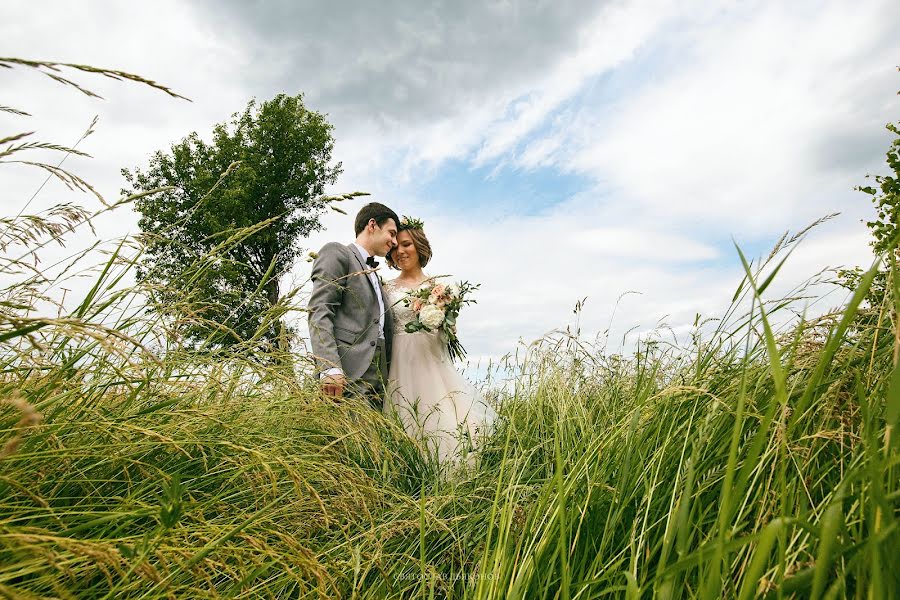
(363, 267)
(388, 317)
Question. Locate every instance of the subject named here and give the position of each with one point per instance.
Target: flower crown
(411, 223)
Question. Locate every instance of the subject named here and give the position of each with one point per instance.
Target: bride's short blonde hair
(423, 248)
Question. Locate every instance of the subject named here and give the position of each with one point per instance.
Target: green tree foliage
(217, 244)
(885, 228)
(886, 197)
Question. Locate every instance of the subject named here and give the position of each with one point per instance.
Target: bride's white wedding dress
(434, 402)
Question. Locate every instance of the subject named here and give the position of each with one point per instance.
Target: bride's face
(405, 254)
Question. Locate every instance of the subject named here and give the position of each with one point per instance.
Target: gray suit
(344, 316)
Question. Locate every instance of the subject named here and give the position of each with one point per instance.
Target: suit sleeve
(329, 276)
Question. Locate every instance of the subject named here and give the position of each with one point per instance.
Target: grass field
(750, 462)
(753, 461)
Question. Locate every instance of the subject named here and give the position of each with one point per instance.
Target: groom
(349, 328)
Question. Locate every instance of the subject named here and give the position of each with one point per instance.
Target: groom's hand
(333, 385)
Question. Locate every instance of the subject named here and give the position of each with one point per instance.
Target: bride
(434, 402)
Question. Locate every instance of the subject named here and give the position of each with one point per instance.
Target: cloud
(613, 36)
(410, 87)
(533, 270)
(164, 42)
(751, 122)
(397, 63)
(633, 243)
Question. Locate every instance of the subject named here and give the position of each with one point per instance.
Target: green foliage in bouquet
(437, 308)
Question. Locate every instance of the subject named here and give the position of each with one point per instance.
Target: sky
(556, 151)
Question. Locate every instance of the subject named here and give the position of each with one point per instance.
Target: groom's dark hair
(374, 210)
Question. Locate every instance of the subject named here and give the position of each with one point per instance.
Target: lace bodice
(401, 312)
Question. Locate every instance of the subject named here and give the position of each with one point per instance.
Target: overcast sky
(555, 150)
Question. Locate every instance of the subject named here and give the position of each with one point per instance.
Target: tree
(886, 197)
(217, 244)
(885, 229)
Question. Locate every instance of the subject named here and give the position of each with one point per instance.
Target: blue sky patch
(457, 187)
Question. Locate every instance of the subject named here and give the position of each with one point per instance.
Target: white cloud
(610, 39)
(533, 271)
(633, 243)
(761, 119)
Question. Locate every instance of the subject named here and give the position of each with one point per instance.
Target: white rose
(431, 316)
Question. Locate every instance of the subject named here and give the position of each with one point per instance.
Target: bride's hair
(423, 248)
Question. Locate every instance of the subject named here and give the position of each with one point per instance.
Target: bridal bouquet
(437, 307)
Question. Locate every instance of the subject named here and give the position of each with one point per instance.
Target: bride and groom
(357, 326)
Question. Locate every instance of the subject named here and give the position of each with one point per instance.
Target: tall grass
(748, 462)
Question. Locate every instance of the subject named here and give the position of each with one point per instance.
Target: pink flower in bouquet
(417, 305)
(438, 295)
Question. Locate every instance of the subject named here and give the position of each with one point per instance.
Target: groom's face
(384, 238)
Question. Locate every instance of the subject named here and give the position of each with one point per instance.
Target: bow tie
(372, 262)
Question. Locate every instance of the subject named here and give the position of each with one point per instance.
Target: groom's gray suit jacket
(344, 312)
